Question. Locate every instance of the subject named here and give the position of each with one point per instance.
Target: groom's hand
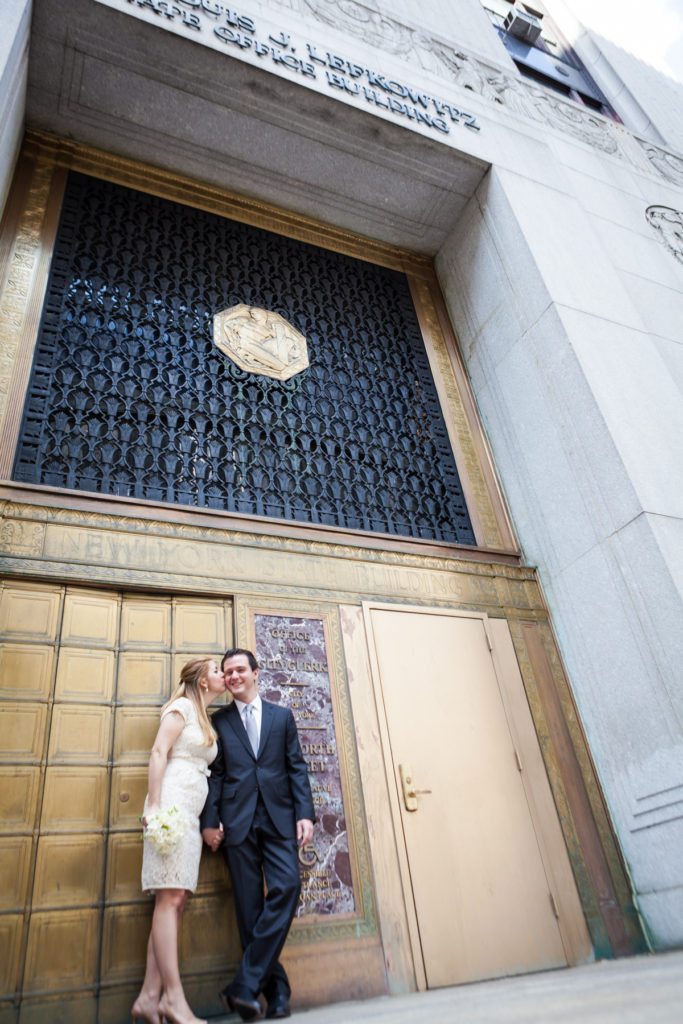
(304, 831)
(213, 837)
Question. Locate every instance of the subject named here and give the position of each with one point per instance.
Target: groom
(260, 806)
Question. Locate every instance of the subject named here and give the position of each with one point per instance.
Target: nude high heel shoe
(168, 1016)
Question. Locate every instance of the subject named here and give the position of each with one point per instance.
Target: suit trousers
(263, 920)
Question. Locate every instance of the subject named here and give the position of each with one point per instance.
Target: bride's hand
(149, 813)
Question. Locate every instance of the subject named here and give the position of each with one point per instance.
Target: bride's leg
(165, 939)
(146, 1006)
(167, 909)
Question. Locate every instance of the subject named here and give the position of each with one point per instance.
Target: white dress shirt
(256, 705)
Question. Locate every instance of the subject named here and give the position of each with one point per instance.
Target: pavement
(636, 990)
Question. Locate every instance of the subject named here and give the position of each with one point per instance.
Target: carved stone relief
(364, 20)
(537, 104)
(667, 164)
(667, 224)
(371, 23)
(260, 341)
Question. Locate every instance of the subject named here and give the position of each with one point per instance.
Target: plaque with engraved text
(292, 654)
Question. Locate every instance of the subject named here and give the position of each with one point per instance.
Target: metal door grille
(129, 396)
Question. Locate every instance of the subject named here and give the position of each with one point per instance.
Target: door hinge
(553, 904)
(519, 761)
(487, 635)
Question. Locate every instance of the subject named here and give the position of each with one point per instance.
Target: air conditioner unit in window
(522, 24)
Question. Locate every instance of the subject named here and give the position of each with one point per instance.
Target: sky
(650, 29)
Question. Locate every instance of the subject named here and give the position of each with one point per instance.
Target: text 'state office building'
(349, 331)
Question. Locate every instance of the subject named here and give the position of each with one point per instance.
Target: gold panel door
(473, 865)
(158, 634)
(83, 674)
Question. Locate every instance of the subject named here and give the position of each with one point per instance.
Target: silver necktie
(250, 726)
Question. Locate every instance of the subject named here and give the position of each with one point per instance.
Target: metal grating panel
(129, 396)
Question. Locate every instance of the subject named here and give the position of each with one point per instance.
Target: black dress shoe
(279, 1009)
(248, 1009)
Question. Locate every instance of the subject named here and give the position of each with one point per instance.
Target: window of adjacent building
(542, 54)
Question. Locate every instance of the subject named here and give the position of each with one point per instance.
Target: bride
(184, 748)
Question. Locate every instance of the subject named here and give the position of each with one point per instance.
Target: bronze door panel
(83, 673)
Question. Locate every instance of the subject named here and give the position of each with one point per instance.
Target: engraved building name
(219, 25)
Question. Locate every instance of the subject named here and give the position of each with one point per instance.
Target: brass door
(82, 676)
(483, 898)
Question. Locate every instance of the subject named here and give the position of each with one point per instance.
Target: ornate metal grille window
(129, 395)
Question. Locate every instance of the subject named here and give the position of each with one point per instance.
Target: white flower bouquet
(165, 829)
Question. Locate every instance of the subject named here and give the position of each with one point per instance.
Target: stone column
(552, 278)
(15, 21)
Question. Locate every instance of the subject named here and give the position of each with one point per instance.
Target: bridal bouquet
(165, 829)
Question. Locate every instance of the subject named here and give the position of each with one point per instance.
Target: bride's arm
(172, 724)
(210, 818)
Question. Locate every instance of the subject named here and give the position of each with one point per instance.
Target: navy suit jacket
(279, 773)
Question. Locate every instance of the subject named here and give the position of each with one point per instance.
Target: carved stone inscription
(292, 655)
(221, 27)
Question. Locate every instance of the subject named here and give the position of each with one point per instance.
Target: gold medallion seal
(260, 341)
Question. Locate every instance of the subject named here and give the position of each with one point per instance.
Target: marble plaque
(292, 655)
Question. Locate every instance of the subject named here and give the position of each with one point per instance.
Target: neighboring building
(429, 460)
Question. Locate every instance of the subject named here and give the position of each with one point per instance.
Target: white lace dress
(185, 785)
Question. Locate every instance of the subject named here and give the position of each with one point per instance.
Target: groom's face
(240, 679)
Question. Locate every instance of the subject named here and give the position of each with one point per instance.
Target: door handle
(410, 794)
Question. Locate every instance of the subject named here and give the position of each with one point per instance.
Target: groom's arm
(210, 818)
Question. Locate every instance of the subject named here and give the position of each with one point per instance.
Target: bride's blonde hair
(192, 675)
